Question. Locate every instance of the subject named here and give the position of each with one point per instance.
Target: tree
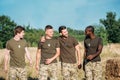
(78, 34)
(6, 29)
(101, 32)
(33, 35)
(112, 26)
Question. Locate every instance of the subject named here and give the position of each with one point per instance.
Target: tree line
(108, 30)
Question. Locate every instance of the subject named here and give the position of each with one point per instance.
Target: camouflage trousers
(69, 71)
(48, 71)
(16, 72)
(93, 71)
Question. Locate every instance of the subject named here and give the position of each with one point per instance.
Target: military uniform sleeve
(39, 45)
(75, 42)
(57, 43)
(8, 45)
(100, 41)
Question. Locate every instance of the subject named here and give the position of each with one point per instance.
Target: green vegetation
(112, 27)
(108, 30)
(101, 32)
(6, 29)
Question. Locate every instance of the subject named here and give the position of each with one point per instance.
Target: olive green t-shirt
(48, 49)
(91, 46)
(17, 52)
(67, 49)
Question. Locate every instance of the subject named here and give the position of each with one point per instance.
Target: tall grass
(109, 51)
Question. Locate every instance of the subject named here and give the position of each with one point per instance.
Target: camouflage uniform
(16, 72)
(69, 71)
(93, 68)
(48, 70)
(17, 59)
(48, 50)
(68, 57)
(93, 71)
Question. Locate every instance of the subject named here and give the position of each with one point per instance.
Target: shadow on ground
(2, 78)
(30, 78)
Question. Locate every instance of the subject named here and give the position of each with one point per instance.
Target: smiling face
(88, 32)
(49, 32)
(21, 34)
(64, 33)
(19, 31)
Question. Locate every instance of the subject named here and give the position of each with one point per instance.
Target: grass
(109, 51)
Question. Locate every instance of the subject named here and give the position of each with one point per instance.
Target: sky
(76, 14)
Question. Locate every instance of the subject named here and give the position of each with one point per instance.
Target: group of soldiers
(64, 47)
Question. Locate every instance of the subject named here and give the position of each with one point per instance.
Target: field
(109, 51)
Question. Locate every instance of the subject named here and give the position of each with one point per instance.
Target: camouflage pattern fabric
(48, 71)
(19, 73)
(93, 71)
(69, 71)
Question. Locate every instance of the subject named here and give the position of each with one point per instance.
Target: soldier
(48, 51)
(68, 46)
(16, 48)
(92, 61)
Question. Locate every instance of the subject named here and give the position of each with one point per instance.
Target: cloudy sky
(76, 14)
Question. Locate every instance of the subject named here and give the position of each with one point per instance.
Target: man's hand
(48, 61)
(31, 63)
(37, 67)
(5, 69)
(6, 59)
(90, 57)
(42, 39)
(79, 62)
(79, 66)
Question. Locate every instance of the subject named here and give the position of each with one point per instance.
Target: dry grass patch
(112, 69)
(109, 51)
